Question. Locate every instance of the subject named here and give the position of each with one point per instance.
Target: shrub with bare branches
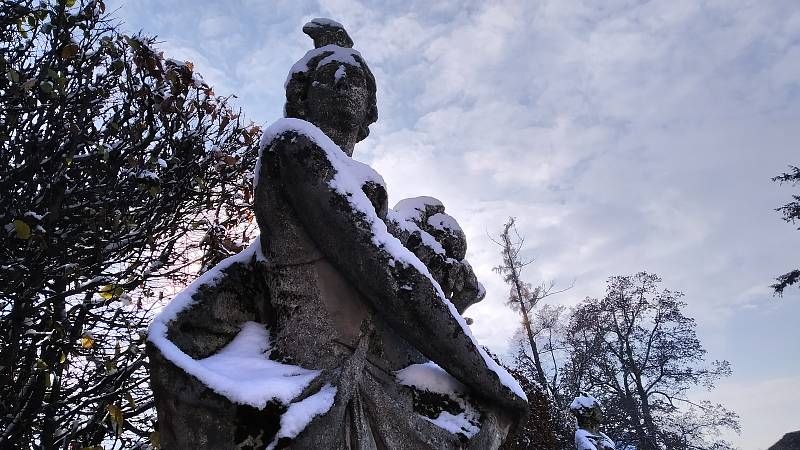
(123, 174)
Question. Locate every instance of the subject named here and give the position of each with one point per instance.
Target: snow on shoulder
(355, 169)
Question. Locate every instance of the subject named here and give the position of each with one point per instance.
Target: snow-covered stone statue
(341, 326)
(589, 415)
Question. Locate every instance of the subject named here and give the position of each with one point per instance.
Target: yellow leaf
(115, 413)
(130, 400)
(69, 51)
(87, 342)
(111, 291)
(155, 440)
(22, 229)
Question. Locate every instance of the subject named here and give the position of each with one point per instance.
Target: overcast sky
(623, 135)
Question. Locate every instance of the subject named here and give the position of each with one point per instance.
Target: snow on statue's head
(332, 86)
(587, 411)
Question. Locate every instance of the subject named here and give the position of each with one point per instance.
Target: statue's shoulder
(305, 144)
(296, 140)
(288, 133)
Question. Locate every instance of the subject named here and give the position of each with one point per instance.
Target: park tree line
(632, 348)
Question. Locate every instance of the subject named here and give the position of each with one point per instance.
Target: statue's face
(338, 100)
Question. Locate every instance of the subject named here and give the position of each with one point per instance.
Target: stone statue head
(332, 86)
(587, 411)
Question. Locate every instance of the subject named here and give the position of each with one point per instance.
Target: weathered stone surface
(327, 32)
(402, 295)
(333, 300)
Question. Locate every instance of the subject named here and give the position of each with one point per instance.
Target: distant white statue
(589, 414)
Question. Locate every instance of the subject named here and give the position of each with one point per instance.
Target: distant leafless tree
(524, 298)
(637, 352)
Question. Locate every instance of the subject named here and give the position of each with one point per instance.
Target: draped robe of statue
(356, 307)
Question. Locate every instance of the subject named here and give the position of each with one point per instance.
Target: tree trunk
(541, 378)
(647, 416)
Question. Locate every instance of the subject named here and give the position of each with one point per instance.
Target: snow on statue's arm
(324, 187)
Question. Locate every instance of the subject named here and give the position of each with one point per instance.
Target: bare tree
(639, 354)
(524, 299)
(122, 172)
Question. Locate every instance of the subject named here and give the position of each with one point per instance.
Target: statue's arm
(404, 296)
